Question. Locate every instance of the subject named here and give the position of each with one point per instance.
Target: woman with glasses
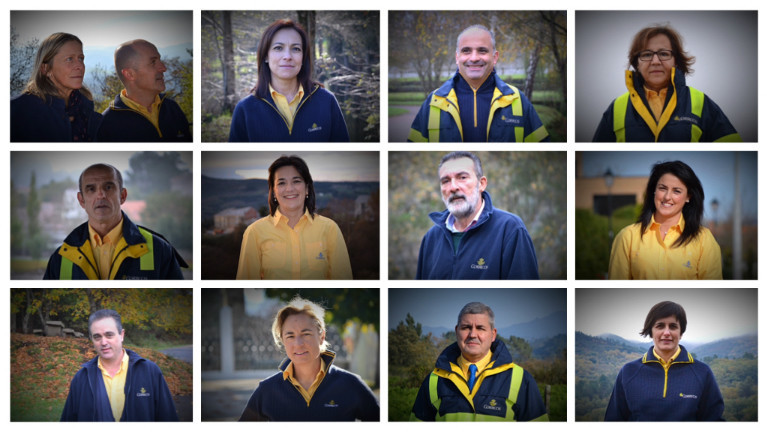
(659, 106)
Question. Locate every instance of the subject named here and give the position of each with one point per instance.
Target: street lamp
(609, 180)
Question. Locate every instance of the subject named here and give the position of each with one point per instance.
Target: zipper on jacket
(112, 265)
(157, 128)
(300, 104)
(89, 262)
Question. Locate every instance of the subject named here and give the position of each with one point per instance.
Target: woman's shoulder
(27, 100)
(325, 221)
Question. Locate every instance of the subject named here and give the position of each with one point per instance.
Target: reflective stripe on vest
(619, 117)
(434, 115)
(696, 105)
(516, 109)
(65, 273)
(517, 373)
(146, 262)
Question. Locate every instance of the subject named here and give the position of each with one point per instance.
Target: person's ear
(80, 199)
(123, 196)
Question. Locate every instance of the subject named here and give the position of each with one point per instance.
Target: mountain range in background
(219, 194)
(733, 347)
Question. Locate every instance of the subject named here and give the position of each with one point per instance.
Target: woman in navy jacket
(666, 384)
(287, 105)
(55, 105)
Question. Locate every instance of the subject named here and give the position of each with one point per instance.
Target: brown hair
(310, 204)
(39, 84)
(299, 306)
(304, 77)
(662, 310)
(682, 58)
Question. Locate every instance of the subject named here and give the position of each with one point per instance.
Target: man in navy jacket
(118, 383)
(471, 239)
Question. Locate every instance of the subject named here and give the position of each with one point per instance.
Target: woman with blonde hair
(308, 386)
(55, 106)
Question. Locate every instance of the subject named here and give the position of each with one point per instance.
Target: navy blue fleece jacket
(123, 124)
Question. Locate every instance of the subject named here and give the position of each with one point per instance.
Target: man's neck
(113, 365)
(103, 229)
(144, 99)
(475, 84)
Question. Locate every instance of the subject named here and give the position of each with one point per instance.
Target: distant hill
(551, 347)
(219, 194)
(623, 341)
(728, 348)
(539, 328)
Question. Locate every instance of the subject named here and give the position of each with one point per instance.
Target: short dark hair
(101, 166)
(692, 211)
(125, 55)
(682, 58)
(662, 310)
(463, 154)
(105, 313)
(476, 308)
(310, 204)
(261, 89)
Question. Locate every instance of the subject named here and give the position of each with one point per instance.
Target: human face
(286, 55)
(302, 339)
(475, 336)
(67, 68)
(146, 71)
(656, 73)
(290, 189)
(107, 341)
(101, 197)
(666, 333)
(461, 189)
(670, 198)
(476, 57)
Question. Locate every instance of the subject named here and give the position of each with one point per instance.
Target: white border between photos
(197, 284)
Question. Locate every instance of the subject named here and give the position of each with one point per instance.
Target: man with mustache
(475, 105)
(118, 384)
(109, 245)
(472, 239)
(475, 380)
(142, 112)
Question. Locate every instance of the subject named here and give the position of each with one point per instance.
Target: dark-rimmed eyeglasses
(663, 55)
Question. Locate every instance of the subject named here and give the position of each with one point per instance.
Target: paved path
(399, 126)
(183, 353)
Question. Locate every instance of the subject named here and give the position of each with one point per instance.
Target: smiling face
(290, 189)
(107, 341)
(666, 333)
(67, 68)
(286, 54)
(302, 339)
(101, 197)
(461, 189)
(656, 73)
(476, 57)
(474, 336)
(670, 198)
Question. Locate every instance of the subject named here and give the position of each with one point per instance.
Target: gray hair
(472, 28)
(476, 308)
(105, 313)
(463, 154)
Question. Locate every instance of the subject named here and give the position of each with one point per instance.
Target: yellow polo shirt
(115, 386)
(313, 249)
(152, 114)
(638, 256)
(104, 248)
(307, 394)
(287, 109)
(656, 101)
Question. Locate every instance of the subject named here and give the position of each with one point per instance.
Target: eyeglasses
(663, 55)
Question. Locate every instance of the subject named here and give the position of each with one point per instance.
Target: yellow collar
(481, 364)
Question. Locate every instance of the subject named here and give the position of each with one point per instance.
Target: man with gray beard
(471, 239)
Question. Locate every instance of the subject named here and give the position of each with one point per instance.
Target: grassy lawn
(406, 98)
(28, 265)
(396, 111)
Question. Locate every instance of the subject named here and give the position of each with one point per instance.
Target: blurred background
(235, 194)
(346, 51)
(531, 322)
(532, 185)
(238, 349)
(721, 331)
(44, 206)
(609, 191)
(532, 47)
(50, 342)
(101, 33)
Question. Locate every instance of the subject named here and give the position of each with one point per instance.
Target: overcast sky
(712, 314)
(439, 307)
(324, 166)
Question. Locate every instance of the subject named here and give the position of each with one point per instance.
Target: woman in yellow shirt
(293, 242)
(668, 241)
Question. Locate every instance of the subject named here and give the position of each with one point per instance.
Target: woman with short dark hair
(668, 241)
(659, 106)
(650, 389)
(287, 105)
(293, 242)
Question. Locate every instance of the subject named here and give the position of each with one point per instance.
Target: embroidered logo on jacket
(320, 256)
(493, 405)
(331, 404)
(143, 393)
(686, 119)
(688, 265)
(315, 128)
(687, 396)
(480, 265)
(511, 120)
